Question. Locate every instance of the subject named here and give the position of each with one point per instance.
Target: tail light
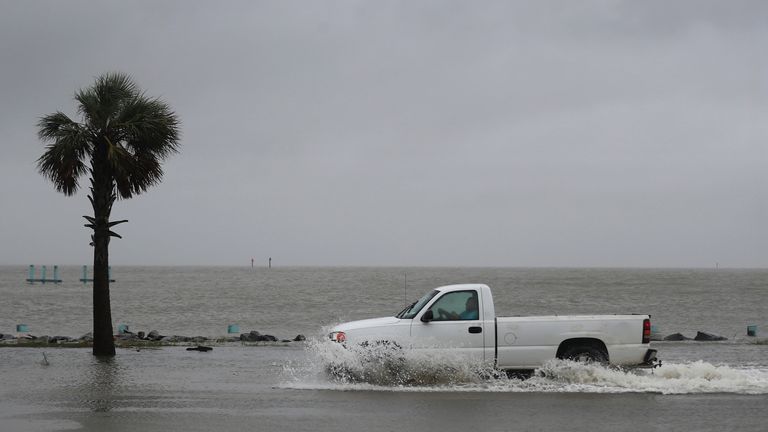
(646, 331)
(339, 337)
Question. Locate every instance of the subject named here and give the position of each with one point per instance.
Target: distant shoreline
(391, 267)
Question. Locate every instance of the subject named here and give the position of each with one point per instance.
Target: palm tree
(120, 141)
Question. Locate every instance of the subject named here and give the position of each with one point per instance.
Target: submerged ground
(282, 388)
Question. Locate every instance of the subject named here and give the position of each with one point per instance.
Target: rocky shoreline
(152, 338)
(700, 337)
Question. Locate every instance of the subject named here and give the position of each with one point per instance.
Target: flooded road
(284, 388)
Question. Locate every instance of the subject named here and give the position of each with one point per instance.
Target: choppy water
(702, 386)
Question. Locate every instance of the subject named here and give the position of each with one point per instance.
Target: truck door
(455, 328)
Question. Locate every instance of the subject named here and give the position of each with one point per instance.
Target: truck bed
(526, 342)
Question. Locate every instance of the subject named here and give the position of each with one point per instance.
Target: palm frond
(149, 126)
(63, 161)
(121, 164)
(148, 172)
(102, 101)
(138, 175)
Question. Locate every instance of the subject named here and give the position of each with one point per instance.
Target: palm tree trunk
(103, 342)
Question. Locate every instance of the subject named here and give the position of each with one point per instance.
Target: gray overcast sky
(590, 133)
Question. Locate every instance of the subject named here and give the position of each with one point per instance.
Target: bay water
(286, 301)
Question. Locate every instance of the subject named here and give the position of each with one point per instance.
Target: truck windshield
(414, 308)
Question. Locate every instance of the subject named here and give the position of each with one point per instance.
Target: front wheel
(586, 354)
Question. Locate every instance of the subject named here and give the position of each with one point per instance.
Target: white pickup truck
(460, 320)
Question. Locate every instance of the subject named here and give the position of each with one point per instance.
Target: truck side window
(459, 305)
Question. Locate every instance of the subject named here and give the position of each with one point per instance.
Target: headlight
(338, 336)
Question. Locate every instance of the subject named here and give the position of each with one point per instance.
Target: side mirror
(428, 316)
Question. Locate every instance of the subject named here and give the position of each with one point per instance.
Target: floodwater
(271, 388)
(701, 386)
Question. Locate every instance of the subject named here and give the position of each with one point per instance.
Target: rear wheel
(585, 354)
(522, 374)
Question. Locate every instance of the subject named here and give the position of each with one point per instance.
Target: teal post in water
(42, 275)
(22, 328)
(233, 328)
(85, 278)
(55, 274)
(31, 277)
(122, 328)
(751, 330)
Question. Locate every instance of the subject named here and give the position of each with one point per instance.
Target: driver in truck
(470, 312)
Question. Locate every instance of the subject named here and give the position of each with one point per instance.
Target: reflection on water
(101, 382)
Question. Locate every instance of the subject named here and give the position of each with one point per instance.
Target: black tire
(520, 374)
(586, 354)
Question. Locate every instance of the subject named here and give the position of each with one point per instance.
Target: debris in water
(200, 348)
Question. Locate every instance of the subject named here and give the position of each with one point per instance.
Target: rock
(200, 348)
(255, 336)
(299, 338)
(59, 339)
(676, 337)
(175, 338)
(141, 335)
(286, 340)
(154, 335)
(127, 336)
(198, 339)
(708, 337)
(8, 337)
(87, 337)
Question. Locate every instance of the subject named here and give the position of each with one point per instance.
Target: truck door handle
(475, 329)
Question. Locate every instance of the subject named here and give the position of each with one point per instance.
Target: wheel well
(581, 342)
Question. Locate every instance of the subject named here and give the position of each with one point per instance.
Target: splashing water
(683, 378)
(387, 367)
